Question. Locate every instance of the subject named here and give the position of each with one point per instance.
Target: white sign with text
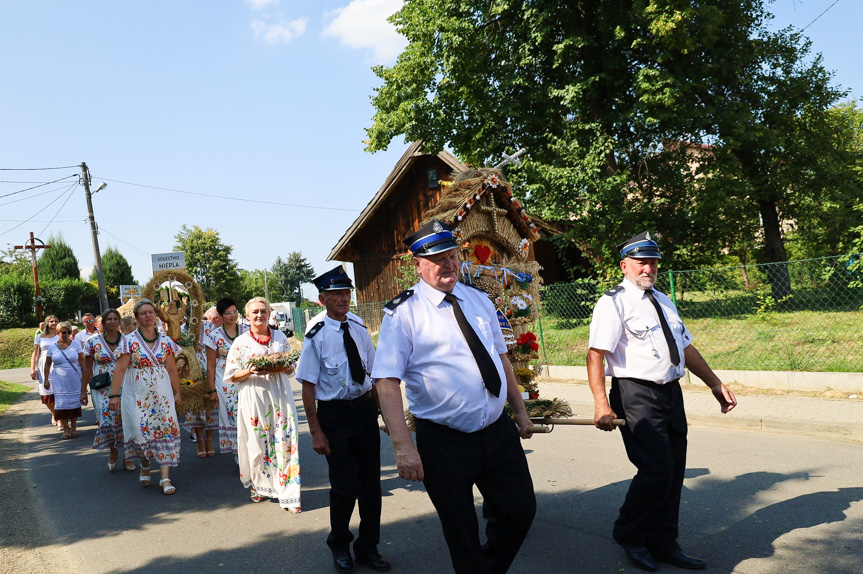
(166, 261)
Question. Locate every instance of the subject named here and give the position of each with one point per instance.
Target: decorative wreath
(196, 297)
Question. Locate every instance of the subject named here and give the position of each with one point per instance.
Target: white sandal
(144, 478)
(170, 489)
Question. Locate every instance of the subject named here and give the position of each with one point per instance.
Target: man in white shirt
(637, 331)
(443, 339)
(89, 322)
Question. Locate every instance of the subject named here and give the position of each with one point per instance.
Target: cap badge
(647, 236)
(437, 227)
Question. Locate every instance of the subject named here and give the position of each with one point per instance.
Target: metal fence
(802, 315)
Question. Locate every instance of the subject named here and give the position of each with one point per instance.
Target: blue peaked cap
(642, 246)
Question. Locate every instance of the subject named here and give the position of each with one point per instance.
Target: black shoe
(343, 561)
(375, 562)
(641, 557)
(681, 560)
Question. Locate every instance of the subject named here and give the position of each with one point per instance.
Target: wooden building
(373, 243)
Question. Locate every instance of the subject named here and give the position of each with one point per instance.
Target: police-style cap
(431, 238)
(642, 246)
(333, 280)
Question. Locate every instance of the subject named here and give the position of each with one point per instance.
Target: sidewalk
(840, 419)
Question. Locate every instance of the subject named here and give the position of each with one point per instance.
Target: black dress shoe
(375, 562)
(343, 561)
(641, 557)
(681, 560)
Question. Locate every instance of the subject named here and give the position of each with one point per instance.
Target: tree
(15, 262)
(58, 262)
(117, 271)
(288, 275)
(688, 118)
(208, 260)
(251, 285)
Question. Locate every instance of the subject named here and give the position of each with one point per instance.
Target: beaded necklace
(265, 341)
(114, 343)
(237, 327)
(150, 341)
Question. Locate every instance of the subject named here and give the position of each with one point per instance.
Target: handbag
(100, 381)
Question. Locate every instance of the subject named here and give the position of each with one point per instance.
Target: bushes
(64, 297)
(16, 301)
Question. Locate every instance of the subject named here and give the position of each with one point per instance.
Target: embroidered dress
(65, 379)
(44, 344)
(219, 341)
(150, 428)
(110, 429)
(266, 423)
(208, 420)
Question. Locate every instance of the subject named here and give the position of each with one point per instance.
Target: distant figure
(128, 324)
(67, 358)
(202, 424)
(46, 337)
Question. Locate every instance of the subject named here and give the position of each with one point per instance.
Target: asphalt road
(753, 503)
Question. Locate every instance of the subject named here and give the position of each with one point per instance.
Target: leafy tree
(288, 275)
(63, 297)
(208, 260)
(17, 295)
(251, 285)
(15, 262)
(117, 271)
(59, 261)
(688, 118)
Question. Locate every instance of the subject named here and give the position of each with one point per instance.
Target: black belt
(367, 396)
(643, 382)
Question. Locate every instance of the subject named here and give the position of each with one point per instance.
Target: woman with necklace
(44, 339)
(66, 358)
(266, 415)
(147, 373)
(218, 343)
(100, 357)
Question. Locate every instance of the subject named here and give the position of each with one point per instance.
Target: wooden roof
(401, 168)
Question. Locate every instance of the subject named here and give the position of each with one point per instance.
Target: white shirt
(640, 351)
(324, 361)
(421, 343)
(82, 337)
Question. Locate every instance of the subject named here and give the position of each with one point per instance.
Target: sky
(258, 100)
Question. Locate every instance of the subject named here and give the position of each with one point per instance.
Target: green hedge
(16, 301)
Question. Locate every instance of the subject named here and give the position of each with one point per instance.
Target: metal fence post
(541, 338)
(671, 285)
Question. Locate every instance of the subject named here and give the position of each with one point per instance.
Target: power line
(232, 198)
(819, 15)
(40, 185)
(37, 213)
(71, 189)
(123, 241)
(32, 196)
(34, 168)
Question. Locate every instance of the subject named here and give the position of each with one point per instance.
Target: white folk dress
(65, 379)
(44, 344)
(110, 429)
(267, 441)
(150, 428)
(208, 420)
(219, 341)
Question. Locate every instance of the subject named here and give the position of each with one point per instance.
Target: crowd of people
(442, 341)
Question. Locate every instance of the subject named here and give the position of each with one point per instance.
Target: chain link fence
(802, 315)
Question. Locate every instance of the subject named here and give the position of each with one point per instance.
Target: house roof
(401, 168)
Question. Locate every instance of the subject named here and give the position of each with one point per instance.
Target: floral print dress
(208, 420)
(267, 441)
(110, 429)
(219, 341)
(150, 428)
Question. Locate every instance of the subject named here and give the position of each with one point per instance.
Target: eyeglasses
(231, 313)
(88, 322)
(65, 332)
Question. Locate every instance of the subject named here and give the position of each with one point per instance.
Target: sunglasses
(65, 332)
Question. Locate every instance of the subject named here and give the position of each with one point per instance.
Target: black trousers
(655, 441)
(494, 461)
(351, 427)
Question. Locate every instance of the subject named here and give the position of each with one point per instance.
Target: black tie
(358, 373)
(666, 330)
(490, 377)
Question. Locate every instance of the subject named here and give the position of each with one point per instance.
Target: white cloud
(279, 32)
(363, 24)
(258, 4)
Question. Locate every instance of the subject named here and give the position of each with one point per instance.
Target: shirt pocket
(642, 325)
(333, 366)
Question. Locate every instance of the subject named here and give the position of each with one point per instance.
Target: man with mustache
(637, 331)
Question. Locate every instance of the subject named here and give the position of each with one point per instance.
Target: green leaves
(208, 260)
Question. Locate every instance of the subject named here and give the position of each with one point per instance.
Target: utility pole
(94, 234)
(32, 247)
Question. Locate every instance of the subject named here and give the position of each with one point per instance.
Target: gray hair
(140, 304)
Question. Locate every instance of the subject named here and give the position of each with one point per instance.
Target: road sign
(164, 261)
(129, 291)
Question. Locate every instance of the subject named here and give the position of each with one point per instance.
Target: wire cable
(231, 198)
(123, 241)
(34, 195)
(37, 213)
(40, 185)
(819, 15)
(36, 168)
(71, 189)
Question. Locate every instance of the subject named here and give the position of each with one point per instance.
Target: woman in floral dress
(43, 341)
(266, 415)
(147, 373)
(100, 357)
(202, 424)
(218, 343)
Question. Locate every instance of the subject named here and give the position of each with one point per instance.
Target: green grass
(16, 346)
(815, 341)
(9, 393)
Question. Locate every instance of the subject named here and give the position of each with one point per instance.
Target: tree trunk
(774, 248)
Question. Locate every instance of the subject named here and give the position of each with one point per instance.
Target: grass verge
(9, 393)
(16, 346)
